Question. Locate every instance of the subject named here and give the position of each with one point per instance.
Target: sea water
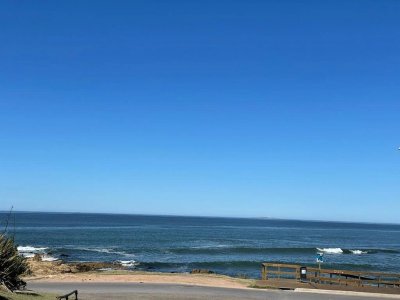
(232, 246)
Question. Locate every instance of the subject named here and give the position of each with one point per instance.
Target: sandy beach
(140, 277)
(61, 272)
(57, 278)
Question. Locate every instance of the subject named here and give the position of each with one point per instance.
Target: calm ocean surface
(224, 245)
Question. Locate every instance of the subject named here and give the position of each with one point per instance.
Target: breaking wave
(30, 251)
(331, 250)
(272, 251)
(358, 252)
(128, 263)
(49, 258)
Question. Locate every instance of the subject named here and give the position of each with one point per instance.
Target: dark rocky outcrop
(201, 271)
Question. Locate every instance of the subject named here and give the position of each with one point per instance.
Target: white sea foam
(48, 258)
(101, 250)
(105, 250)
(128, 263)
(358, 252)
(27, 254)
(31, 249)
(331, 250)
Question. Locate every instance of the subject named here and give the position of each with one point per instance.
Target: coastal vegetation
(13, 296)
(12, 265)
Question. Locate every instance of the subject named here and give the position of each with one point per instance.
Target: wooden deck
(277, 275)
(289, 284)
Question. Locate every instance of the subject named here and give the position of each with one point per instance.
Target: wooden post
(319, 275)
(67, 295)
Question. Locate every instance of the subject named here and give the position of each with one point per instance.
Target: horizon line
(198, 216)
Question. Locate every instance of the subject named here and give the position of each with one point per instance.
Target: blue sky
(286, 109)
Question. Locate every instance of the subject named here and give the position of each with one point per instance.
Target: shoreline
(55, 272)
(58, 271)
(207, 280)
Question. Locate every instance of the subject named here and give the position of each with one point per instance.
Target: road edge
(347, 293)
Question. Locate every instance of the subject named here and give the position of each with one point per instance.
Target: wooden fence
(66, 296)
(329, 276)
(280, 271)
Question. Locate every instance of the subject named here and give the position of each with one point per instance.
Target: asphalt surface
(150, 291)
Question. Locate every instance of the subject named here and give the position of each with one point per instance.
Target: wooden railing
(284, 271)
(330, 276)
(355, 278)
(66, 296)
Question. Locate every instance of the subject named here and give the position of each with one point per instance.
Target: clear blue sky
(286, 109)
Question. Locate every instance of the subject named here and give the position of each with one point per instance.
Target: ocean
(232, 246)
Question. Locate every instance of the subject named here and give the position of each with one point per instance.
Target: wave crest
(128, 263)
(358, 252)
(331, 250)
(31, 249)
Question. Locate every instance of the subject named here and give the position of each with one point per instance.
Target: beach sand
(62, 272)
(87, 273)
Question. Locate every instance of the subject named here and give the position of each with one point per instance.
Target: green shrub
(12, 265)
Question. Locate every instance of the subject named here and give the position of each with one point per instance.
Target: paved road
(148, 291)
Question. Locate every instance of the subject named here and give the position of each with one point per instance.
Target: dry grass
(13, 296)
